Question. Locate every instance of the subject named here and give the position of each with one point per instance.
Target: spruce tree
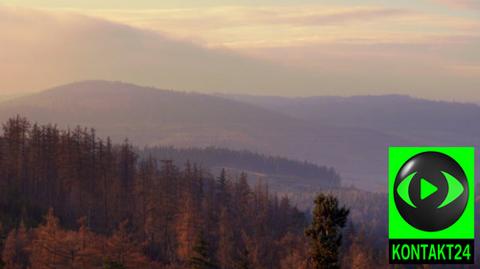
(222, 195)
(222, 180)
(325, 232)
(201, 258)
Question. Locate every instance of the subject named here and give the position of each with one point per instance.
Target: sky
(423, 48)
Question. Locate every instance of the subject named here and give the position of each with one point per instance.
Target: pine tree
(54, 247)
(201, 257)
(49, 248)
(325, 232)
(88, 247)
(222, 183)
(122, 250)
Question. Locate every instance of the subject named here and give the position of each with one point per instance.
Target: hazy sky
(426, 48)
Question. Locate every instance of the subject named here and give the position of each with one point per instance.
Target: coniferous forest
(323, 176)
(71, 200)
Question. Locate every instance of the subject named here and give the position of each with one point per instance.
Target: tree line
(69, 199)
(245, 160)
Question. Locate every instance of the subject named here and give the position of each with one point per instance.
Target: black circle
(426, 215)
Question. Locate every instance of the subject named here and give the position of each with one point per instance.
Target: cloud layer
(254, 50)
(43, 49)
(463, 4)
(241, 26)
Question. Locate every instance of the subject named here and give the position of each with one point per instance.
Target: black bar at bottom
(419, 251)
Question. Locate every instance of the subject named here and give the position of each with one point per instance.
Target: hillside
(437, 121)
(150, 116)
(281, 174)
(419, 121)
(140, 113)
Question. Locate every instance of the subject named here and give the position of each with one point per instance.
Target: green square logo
(431, 197)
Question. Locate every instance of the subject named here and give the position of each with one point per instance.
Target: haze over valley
(351, 134)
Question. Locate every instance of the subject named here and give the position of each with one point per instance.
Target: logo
(431, 204)
(431, 191)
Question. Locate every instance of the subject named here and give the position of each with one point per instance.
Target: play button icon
(426, 189)
(431, 191)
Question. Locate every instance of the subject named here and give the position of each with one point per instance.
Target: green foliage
(325, 232)
(201, 258)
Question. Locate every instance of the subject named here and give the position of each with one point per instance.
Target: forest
(71, 200)
(212, 157)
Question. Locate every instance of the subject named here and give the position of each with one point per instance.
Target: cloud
(249, 27)
(462, 4)
(351, 15)
(40, 49)
(242, 16)
(467, 70)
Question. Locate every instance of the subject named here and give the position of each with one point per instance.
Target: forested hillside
(71, 200)
(256, 164)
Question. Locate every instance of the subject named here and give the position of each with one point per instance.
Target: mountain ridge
(149, 116)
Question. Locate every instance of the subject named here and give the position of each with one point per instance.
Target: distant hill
(280, 173)
(439, 121)
(419, 121)
(146, 115)
(150, 116)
